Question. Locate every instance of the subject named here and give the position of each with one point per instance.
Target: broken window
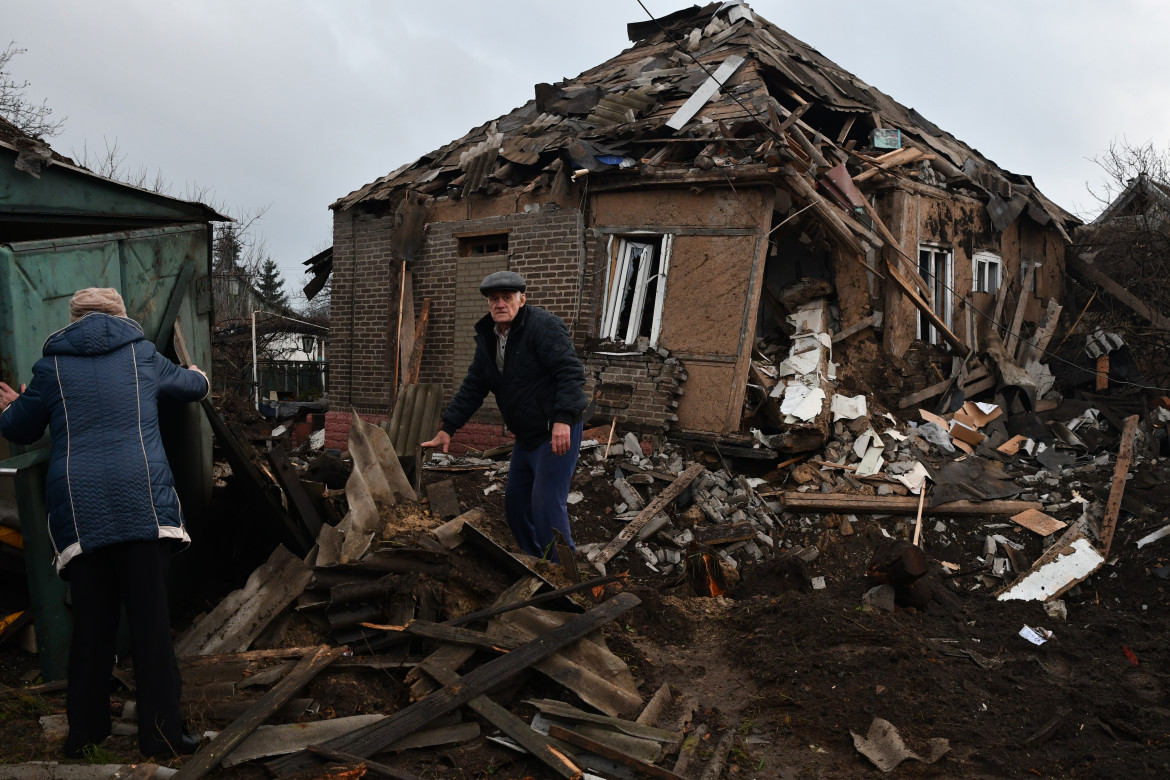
(490, 244)
(635, 284)
(986, 272)
(934, 264)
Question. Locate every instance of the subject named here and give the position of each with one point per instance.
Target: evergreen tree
(270, 285)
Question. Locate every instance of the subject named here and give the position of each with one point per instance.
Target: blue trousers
(534, 500)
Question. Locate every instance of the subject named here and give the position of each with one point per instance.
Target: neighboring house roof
(46, 185)
(617, 120)
(1140, 194)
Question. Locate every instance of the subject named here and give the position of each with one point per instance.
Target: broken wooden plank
(907, 154)
(600, 557)
(290, 482)
(245, 613)
(1038, 522)
(209, 757)
(856, 327)
(248, 656)
(724, 533)
(705, 92)
(593, 746)
(897, 505)
(416, 350)
(1033, 348)
(505, 721)
(1061, 567)
(372, 739)
(1120, 472)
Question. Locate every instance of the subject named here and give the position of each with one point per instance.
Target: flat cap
(503, 280)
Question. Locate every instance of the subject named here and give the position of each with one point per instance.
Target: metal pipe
(255, 371)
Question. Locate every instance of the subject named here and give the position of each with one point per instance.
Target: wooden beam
(371, 739)
(856, 327)
(208, 758)
(1120, 471)
(1099, 278)
(420, 337)
(600, 557)
(897, 505)
(290, 481)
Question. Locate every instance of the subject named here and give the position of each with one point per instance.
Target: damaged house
(1120, 261)
(720, 214)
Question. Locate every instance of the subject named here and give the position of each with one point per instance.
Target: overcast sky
(291, 104)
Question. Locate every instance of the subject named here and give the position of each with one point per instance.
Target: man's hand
(442, 439)
(8, 395)
(561, 438)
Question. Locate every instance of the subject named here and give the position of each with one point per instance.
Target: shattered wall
(712, 287)
(919, 215)
(640, 389)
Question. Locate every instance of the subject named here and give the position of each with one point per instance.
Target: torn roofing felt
(612, 119)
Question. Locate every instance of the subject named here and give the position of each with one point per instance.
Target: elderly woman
(114, 515)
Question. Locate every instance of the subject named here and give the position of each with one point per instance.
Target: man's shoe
(185, 746)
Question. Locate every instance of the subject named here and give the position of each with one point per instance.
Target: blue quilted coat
(97, 388)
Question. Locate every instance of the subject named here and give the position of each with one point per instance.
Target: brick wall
(640, 389)
(363, 312)
(337, 426)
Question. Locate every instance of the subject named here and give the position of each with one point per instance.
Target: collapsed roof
(641, 114)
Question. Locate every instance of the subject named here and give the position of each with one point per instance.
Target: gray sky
(291, 104)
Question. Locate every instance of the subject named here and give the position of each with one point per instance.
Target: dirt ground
(792, 672)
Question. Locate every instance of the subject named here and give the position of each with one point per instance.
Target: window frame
(633, 277)
(986, 259)
(469, 242)
(940, 289)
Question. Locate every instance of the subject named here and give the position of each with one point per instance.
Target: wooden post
(1120, 471)
(921, 503)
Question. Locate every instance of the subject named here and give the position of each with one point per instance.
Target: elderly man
(114, 515)
(524, 356)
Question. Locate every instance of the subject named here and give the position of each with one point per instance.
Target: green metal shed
(63, 228)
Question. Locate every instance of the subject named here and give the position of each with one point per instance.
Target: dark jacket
(543, 380)
(97, 388)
